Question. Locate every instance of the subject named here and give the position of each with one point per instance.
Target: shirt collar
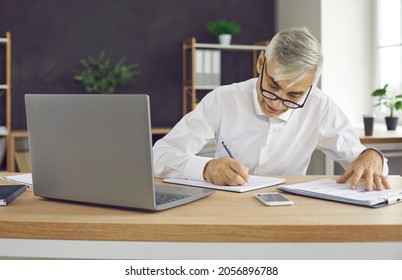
(284, 117)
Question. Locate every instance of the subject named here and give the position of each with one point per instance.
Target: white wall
(290, 13)
(346, 33)
(344, 28)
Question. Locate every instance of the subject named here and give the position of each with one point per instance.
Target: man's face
(296, 93)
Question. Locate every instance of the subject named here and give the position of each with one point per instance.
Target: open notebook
(254, 182)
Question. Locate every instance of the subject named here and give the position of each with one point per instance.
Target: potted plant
(224, 29)
(392, 101)
(100, 76)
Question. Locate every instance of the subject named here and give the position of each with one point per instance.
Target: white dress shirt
(267, 146)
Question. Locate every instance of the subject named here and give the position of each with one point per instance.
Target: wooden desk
(222, 220)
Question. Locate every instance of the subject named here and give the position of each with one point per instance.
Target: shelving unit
(189, 48)
(5, 130)
(22, 157)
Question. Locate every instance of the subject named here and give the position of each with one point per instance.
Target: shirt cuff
(195, 167)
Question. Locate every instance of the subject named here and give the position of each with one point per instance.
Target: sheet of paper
(25, 179)
(329, 188)
(254, 182)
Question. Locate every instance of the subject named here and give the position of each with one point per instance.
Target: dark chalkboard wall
(49, 37)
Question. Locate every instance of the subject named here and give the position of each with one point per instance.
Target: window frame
(382, 111)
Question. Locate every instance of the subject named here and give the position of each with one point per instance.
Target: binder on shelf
(199, 68)
(202, 71)
(216, 68)
(207, 67)
(3, 130)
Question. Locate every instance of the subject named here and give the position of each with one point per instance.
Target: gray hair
(297, 53)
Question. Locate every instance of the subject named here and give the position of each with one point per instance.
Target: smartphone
(273, 199)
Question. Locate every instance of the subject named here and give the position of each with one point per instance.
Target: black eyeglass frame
(287, 103)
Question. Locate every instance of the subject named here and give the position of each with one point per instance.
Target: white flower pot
(224, 39)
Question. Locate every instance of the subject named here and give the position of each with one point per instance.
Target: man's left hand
(368, 165)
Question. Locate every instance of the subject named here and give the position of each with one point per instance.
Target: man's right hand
(225, 171)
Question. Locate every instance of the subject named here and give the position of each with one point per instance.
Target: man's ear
(260, 62)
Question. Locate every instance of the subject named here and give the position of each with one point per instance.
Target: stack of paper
(25, 179)
(330, 190)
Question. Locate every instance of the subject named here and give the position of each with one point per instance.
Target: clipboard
(328, 189)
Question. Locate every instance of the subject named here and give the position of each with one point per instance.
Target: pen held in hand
(230, 155)
(228, 150)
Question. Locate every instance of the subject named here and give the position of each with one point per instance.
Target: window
(388, 46)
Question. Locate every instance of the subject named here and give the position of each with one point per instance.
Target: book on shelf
(216, 68)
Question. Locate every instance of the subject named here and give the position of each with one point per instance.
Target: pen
(230, 154)
(227, 150)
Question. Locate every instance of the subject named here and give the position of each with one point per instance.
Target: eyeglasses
(272, 96)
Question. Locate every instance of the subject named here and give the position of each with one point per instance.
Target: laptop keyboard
(163, 198)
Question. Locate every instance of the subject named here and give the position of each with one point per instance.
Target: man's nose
(277, 104)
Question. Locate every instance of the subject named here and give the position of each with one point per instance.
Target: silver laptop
(97, 149)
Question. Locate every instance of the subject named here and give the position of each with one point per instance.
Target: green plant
(100, 76)
(392, 101)
(223, 27)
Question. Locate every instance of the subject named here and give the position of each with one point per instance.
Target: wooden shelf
(206, 87)
(11, 153)
(161, 130)
(380, 137)
(22, 157)
(190, 86)
(7, 87)
(227, 47)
